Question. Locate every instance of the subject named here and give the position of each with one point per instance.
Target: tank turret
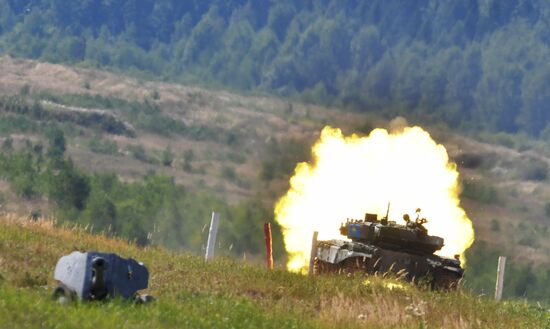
(412, 237)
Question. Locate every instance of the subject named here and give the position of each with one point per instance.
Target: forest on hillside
(473, 64)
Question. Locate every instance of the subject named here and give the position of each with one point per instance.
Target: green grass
(226, 293)
(22, 308)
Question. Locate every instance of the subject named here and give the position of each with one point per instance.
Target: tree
(67, 187)
(167, 156)
(57, 143)
(101, 211)
(280, 16)
(366, 48)
(188, 156)
(205, 39)
(535, 114)
(23, 175)
(7, 144)
(7, 19)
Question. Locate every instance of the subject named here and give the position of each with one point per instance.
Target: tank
(385, 247)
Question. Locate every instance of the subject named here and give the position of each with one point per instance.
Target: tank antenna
(385, 219)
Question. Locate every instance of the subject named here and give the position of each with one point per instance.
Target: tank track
(445, 280)
(439, 279)
(348, 266)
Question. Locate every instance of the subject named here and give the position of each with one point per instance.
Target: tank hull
(337, 256)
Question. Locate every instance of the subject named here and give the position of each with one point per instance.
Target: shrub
(138, 152)
(281, 158)
(236, 157)
(547, 209)
(528, 241)
(24, 185)
(469, 160)
(228, 172)
(67, 186)
(155, 95)
(479, 192)
(25, 90)
(534, 169)
(267, 170)
(7, 144)
(188, 156)
(167, 157)
(57, 143)
(97, 145)
(495, 225)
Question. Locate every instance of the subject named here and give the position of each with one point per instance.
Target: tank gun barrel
(98, 289)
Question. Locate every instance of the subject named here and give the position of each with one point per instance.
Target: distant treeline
(474, 64)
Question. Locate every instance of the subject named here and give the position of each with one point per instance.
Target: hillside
(226, 293)
(224, 150)
(216, 121)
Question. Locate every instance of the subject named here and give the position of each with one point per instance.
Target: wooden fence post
(268, 246)
(212, 233)
(313, 253)
(500, 277)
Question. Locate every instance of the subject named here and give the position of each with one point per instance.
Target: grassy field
(226, 293)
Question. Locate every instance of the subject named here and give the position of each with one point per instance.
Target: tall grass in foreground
(226, 293)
